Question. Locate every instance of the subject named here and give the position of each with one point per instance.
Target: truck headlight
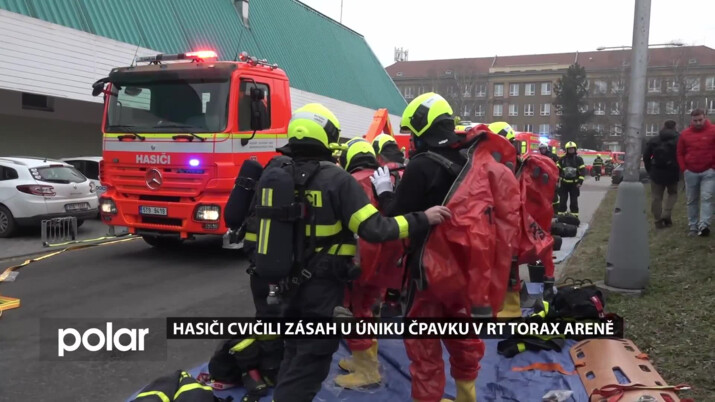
(208, 213)
(107, 206)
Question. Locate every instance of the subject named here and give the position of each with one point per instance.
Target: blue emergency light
(193, 162)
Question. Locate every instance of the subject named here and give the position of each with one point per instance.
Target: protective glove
(381, 180)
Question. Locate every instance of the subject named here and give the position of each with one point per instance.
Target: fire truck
(529, 143)
(176, 130)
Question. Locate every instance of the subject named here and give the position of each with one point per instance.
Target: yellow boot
(347, 363)
(512, 305)
(466, 391)
(366, 371)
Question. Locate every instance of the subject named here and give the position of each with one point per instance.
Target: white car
(34, 189)
(88, 166)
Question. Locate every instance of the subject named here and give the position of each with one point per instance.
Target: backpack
(664, 154)
(285, 217)
(179, 386)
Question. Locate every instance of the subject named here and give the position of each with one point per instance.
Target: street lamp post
(627, 261)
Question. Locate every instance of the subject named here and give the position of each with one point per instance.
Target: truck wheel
(162, 242)
(7, 222)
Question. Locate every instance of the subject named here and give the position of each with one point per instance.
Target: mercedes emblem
(154, 179)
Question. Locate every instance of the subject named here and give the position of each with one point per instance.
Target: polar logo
(123, 340)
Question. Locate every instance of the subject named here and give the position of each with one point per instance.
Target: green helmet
(502, 128)
(380, 142)
(355, 147)
(314, 122)
(423, 112)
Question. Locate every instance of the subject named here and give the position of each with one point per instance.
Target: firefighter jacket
(598, 162)
(571, 169)
(176, 387)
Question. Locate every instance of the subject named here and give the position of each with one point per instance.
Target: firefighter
(319, 262)
(387, 150)
(504, 129)
(380, 268)
(597, 166)
(572, 171)
(425, 183)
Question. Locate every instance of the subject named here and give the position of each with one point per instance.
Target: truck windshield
(190, 106)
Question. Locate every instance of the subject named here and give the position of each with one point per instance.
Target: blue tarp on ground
(497, 382)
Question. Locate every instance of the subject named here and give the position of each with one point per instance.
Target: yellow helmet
(355, 147)
(598, 155)
(314, 122)
(423, 112)
(570, 144)
(502, 128)
(380, 141)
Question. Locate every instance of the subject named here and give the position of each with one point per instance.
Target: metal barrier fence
(59, 230)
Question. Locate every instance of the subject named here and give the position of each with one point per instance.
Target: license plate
(152, 211)
(77, 206)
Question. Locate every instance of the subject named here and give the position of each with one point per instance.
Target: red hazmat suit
(466, 262)
(538, 177)
(381, 266)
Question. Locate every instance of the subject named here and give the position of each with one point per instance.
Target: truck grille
(176, 182)
(161, 221)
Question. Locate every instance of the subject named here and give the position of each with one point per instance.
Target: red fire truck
(175, 133)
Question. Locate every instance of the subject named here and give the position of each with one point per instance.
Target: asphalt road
(124, 280)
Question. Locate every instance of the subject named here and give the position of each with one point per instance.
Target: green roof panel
(318, 54)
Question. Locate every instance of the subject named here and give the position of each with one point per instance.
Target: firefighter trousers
(426, 364)
(360, 299)
(566, 192)
(306, 362)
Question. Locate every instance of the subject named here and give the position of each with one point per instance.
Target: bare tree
(683, 86)
(462, 83)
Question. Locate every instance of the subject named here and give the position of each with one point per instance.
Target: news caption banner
(102, 339)
(356, 328)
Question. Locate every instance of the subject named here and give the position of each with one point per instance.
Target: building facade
(55, 50)
(520, 89)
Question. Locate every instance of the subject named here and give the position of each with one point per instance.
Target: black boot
(548, 289)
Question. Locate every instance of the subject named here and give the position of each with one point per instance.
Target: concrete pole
(627, 262)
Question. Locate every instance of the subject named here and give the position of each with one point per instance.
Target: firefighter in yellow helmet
(597, 166)
(425, 183)
(387, 150)
(505, 130)
(572, 171)
(309, 210)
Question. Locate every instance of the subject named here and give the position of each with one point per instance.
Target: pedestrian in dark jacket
(661, 162)
(696, 157)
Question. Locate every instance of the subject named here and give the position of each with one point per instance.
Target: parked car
(617, 175)
(88, 166)
(34, 189)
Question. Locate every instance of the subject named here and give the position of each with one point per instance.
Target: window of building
(671, 107)
(529, 128)
(693, 84)
(654, 85)
(546, 109)
(691, 105)
(544, 129)
(618, 87)
(498, 89)
(616, 130)
(599, 108)
(479, 110)
(420, 90)
(616, 108)
(546, 88)
(466, 110)
(711, 106)
(408, 91)
(672, 86)
(452, 91)
(480, 90)
(653, 108)
(598, 128)
(528, 110)
(530, 89)
(37, 102)
(600, 87)
(498, 110)
(710, 84)
(651, 130)
(513, 89)
(467, 91)
(513, 110)
(514, 127)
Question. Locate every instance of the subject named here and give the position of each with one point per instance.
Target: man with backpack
(426, 182)
(661, 163)
(309, 210)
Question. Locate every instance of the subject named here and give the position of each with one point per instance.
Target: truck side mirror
(98, 87)
(259, 113)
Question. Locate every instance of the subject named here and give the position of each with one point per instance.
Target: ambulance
(176, 129)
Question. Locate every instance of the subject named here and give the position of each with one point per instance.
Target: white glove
(381, 180)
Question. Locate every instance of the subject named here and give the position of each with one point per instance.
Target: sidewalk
(29, 240)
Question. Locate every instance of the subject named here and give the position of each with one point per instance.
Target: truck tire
(162, 242)
(7, 222)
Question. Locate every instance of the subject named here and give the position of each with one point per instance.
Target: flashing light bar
(255, 62)
(196, 56)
